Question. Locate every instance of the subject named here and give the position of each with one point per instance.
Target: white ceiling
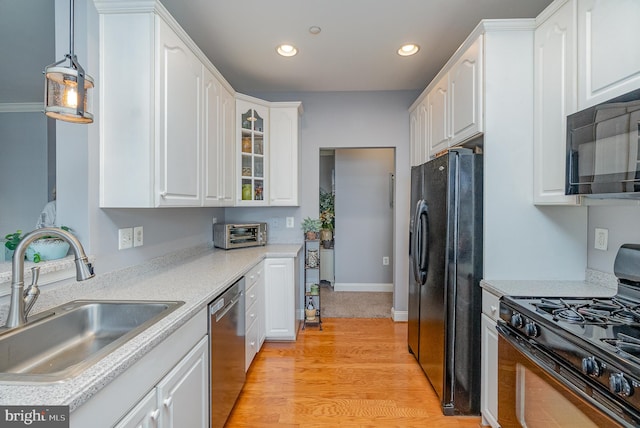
(356, 50)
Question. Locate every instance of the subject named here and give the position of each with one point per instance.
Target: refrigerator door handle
(421, 249)
(415, 245)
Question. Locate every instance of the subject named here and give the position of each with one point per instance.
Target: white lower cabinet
(181, 398)
(167, 387)
(489, 344)
(280, 296)
(254, 318)
(144, 415)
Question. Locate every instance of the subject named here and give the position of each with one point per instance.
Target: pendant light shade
(67, 88)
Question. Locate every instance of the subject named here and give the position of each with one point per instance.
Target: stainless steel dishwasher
(227, 353)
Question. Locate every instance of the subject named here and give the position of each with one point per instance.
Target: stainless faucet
(23, 300)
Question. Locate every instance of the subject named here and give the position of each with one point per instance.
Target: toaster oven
(230, 236)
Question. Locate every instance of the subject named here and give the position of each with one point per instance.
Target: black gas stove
(591, 344)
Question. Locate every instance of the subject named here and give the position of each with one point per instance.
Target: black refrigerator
(445, 268)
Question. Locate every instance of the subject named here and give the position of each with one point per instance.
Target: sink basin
(64, 340)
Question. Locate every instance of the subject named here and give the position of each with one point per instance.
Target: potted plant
(326, 234)
(45, 248)
(327, 216)
(311, 227)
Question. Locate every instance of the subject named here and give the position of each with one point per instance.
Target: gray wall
(364, 218)
(352, 120)
(621, 219)
(23, 170)
(165, 230)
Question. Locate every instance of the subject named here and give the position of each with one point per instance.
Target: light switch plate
(601, 240)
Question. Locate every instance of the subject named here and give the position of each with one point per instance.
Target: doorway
(363, 186)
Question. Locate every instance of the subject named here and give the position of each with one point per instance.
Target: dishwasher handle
(219, 309)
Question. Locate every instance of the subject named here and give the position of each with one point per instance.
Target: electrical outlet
(125, 238)
(601, 240)
(289, 222)
(214, 220)
(138, 236)
(385, 261)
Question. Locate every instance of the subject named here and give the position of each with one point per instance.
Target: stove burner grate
(614, 311)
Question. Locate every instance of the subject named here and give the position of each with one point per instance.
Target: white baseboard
(359, 286)
(399, 316)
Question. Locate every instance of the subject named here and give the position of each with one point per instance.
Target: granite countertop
(596, 284)
(194, 276)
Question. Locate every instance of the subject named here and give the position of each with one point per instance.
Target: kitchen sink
(59, 343)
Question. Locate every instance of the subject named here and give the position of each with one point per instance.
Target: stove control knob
(619, 385)
(590, 367)
(531, 329)
(516, 320)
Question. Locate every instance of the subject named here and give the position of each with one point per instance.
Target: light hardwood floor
(356, 373)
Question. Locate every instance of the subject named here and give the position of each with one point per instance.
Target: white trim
(358, 286)
(399, 316)
(21, 107)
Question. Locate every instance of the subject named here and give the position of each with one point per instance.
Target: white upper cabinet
(555, 97)
(163, 128)
(414, 138)
(284, 154)
(438, 113)
(227, 153)
(180, 84)
(218, 143)
(465, 85)
(212, 98)
(419, 130)
(268, 155)
(423, 118)
(252, 131)
(450, 111)
(608, 58)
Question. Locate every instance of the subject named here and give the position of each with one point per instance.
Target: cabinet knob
(163, 195)
(155, 414)
(493, 309)
(168, 401)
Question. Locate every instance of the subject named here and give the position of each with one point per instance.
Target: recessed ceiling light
(287, 50)
(408, 49)
(315, 30)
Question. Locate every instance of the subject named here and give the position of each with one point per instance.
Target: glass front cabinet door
(253, 120)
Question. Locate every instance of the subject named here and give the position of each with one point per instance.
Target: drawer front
(251, 297)
(251, 315)
(253, 275)
(251, 345)
(490, 305)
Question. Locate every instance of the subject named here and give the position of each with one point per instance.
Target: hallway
(355, 373)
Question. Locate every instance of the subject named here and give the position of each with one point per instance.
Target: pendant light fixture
(67, 88)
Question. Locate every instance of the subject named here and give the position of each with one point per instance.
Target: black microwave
(603, 149)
